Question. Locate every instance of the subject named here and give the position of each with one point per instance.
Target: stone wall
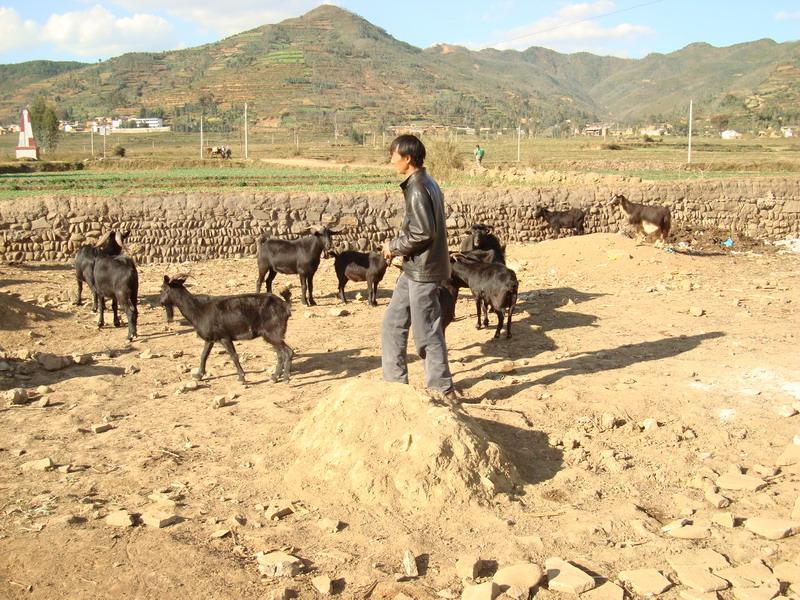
(186, 227)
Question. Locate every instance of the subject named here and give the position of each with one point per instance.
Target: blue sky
(88, 30)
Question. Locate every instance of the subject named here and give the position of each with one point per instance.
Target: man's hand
(387, 253)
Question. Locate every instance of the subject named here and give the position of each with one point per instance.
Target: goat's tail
(666, 225)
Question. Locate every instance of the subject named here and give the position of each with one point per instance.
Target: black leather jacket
(422, 241)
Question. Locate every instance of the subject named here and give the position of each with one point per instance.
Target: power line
(562, 25)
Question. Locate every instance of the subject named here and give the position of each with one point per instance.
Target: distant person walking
(422, 242)
(479, 152)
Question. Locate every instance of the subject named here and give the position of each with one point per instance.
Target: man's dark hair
(411, 146)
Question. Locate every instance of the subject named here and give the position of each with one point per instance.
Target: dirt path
(603, 340)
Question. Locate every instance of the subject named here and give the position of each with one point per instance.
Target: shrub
(443, 158)
(611, 146)
(118, 151)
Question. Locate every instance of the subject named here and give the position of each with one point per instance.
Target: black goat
(568, 219)
(228, 318)
(84, 261)
(647, 219)
(300, 256)
(480, 237)
(491, 284)
(360, 266)
(116, 277)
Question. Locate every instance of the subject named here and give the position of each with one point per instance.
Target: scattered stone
(677, 524)
(158, 517)
(700, 578)
(690, 532)
(468, 567)
(102, 428)
(717, 500)
(120, 518)
(82, 359)
(703, 557)
(646, 582)
(338, 312)
(147, 354)
(278, 564)
(772, 529)
(609, 421)
(275, 513)
(766, 471)
(322, 584)
(410, 564)
(786, 410)
(279, 594)
(17, 396)
(788, 572)
(132, 370)
(483, 591)
(44, 389)
(565, 577)
(607, 591)
(524, 576)
(187, 386)
(156, 395)
(220, 533)
(724, 519)
(748, 575)
(648, 425)
(42, 402)
(790, 456)
(43, 464)
(734, 481)
(53, 362)
(766, 591)
(696, 311)
(219, 402)
(176, 354)
(329, 525)
(447, 593)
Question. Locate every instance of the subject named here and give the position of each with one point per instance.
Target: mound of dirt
(386, 444)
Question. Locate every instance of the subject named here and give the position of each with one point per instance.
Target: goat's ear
(166, 279)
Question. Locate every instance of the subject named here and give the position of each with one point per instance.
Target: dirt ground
(605, 337)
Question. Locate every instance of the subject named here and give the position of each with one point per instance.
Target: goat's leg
(78, 300)
(508, 321)
(287, 362)
(303, 289)
(228, 343)
(270, 279)
(311, 291)
(260, 280)
(374, 298)
(500, 319)
(101, 308)
(132, 312)
(342, 297)
(203, 358)
(115, 312)
(485, 314)
(478, 310)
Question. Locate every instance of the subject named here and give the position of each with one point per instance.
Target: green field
(172, 162)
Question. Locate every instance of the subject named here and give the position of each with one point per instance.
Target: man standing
(479, 152)
(422, 243)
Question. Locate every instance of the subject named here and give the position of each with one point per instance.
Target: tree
(44, 122)
(720, 121)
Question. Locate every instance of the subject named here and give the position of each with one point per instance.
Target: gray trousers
(415, 305)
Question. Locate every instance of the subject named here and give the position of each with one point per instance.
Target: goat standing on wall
(646, 219)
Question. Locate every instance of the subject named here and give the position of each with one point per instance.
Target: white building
(730, 134)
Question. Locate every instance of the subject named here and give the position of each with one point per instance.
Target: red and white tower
(26, 147)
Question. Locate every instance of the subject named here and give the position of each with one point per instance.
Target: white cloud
(786, 15)
(16, 34)
(226, 17)
(98, 32)
(571, 29)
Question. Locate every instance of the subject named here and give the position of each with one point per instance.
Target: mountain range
(332, 68)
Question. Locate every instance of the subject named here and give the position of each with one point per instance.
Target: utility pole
(105, 135)
(92, 136)
(519, 135)
(689, 159)
(245, 130)
(335, 130)
(201, 137)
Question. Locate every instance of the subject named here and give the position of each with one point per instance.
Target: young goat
(569, 219)
(84, 261)
(228, 318)
(491, 284)
(300, 256)
(116, 277)
(480, 237)
(359, 266)
(647, 219)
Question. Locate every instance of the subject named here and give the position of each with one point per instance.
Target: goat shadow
(43, 377)
(17, 314)
(598, 361)
(542, 314)
(339, 364)
(43, 266)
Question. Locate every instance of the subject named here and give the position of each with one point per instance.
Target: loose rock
(410, 564)
(468, 567)
(523, 576)
(322, 584)
(646, 582)
(484, 591)
(278, 564)
(120, 518)
(565, 577)
(772, 529)
(157, 517)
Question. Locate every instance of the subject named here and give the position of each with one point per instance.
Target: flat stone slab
(119, 518)
(700, 578)
(607, 591)
(789, 456)
(566, 577)
(767, 591)
(695, 595)
(524, 576)
(772, 529)
(278, 564)
(788, 572)
(748, 575)
(704, 557)
(739, 482)
(645, 582)
(690, 532)
(156, 517)
(468, 567)
(323, 584)
(485, 591)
